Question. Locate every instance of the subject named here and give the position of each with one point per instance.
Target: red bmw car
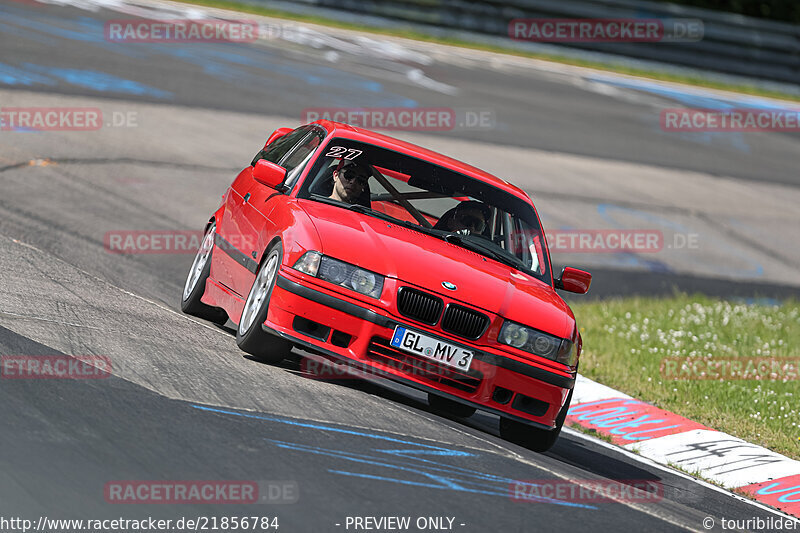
(400, 262)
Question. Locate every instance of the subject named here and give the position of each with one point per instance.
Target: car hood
(419, 259)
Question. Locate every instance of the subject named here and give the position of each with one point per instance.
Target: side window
(291, 176)
(299, 153)
(275, 151)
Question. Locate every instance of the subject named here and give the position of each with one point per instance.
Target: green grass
(410, 33)
(626, 340)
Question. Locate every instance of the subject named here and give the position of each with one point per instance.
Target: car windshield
(431, 199)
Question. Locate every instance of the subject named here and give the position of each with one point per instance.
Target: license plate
(431, 348)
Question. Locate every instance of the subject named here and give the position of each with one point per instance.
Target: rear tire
(195, 284)
(535, 439)
(448, 407)
(249, 335)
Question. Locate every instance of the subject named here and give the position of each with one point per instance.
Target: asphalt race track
(184, 404)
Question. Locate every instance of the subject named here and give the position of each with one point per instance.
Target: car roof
(347, 131)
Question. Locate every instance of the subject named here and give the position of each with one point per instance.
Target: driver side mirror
(268, 173)
(277, 134)
(574, 280)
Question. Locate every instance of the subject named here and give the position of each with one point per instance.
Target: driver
(350, 181)
(468, 215)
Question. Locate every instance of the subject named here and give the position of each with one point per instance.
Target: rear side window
(299, 153)
(279, 148)
(296, 160)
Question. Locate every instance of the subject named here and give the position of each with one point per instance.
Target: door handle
(246, 198)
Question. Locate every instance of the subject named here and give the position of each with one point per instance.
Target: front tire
(535, 439)
(195, 284)
(249, 335)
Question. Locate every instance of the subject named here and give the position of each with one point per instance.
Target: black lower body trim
(235, 254)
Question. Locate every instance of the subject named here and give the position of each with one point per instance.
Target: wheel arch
(216, 217)
(271, 244)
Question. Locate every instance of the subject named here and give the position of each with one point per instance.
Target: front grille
(381, 351)
(464, 321)
(419, 305)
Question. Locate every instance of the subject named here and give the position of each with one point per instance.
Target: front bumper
(337, 328)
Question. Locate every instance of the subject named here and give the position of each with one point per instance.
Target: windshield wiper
(326, 200)
(371, 212)
(479, 247)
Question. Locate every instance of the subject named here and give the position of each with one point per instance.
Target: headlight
(536, 342)
(364, 282)
(341, 273)
(514, 335)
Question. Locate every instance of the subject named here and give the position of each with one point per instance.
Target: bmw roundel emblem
(449, 286)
